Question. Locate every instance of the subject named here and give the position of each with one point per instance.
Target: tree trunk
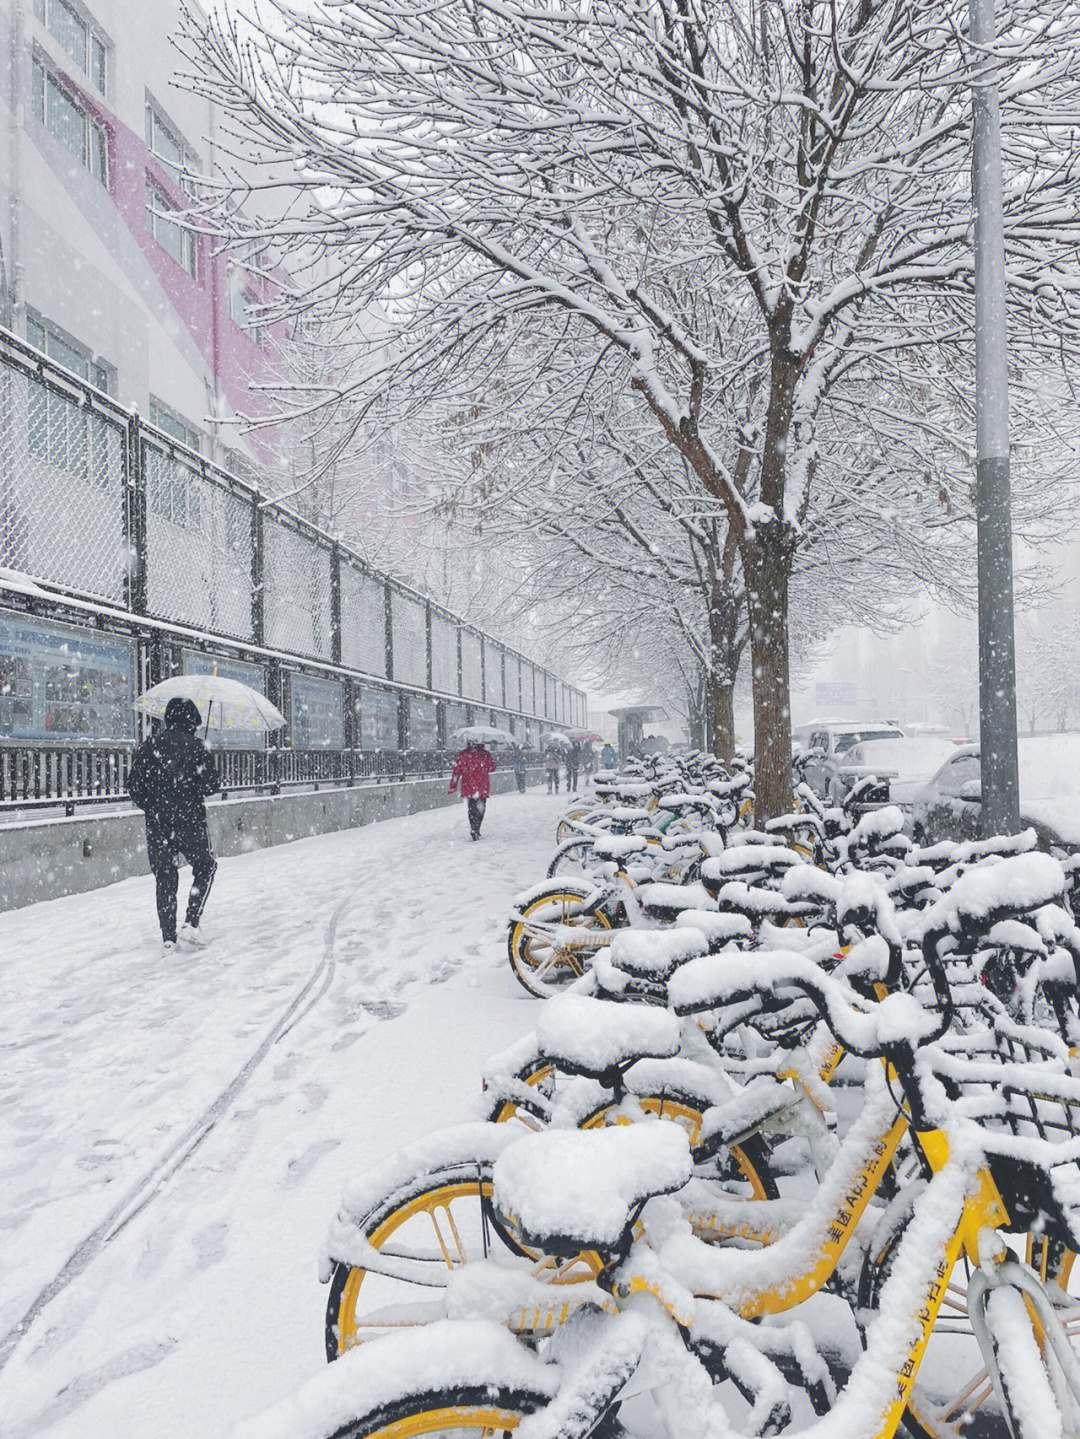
(696, 714)
(720, 693)
(767, 568)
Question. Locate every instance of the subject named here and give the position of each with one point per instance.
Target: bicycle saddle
(760, 903)
(655, 953)
(774, 859)
(564, 1190)
(1010, 887)
(699, 802)
(718, 929)
(665, 901)
(597, 1037)
(619, 846)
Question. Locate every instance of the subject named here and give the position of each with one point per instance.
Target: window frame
(96, 45)
(176, 426)
(178, 169)
(158, 206)
(46, 82)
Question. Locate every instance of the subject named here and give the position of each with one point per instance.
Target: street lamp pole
(997, 664)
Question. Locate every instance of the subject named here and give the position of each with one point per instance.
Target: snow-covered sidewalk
(174, 1132)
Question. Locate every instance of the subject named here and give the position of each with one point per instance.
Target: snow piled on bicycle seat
(1022, 882)
(434, 1357)
(656, 952)
(594, 1035)
(716, 927)
(583, 1187)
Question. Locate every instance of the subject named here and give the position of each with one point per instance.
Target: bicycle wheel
(484, 1411)
(442, 1222)
(542, 959)
(954, 1396)
(539, 1077)
(460, 1377)
(576, 859)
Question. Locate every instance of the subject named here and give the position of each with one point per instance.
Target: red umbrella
(586, 736)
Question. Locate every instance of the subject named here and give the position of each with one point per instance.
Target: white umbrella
(554, 737)
(224, 704)
(483, 734)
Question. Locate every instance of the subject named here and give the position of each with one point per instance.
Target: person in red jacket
(472, 768)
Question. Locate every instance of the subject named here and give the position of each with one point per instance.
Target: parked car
(904, 764)
(829, 772)
(949, 806)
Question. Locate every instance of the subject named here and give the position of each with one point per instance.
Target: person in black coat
(171, 775)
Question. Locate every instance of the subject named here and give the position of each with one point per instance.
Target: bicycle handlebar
(871, 1032)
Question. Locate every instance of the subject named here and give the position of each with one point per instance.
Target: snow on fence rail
(157, 562)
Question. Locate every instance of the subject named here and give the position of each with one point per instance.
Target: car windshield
(856, 736)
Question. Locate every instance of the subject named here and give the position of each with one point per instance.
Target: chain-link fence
(62, 491)
(94, 504)
(363, 619)
(296, 589)
(444, 654)
(198, 542)
(409, 634)
(472, 673)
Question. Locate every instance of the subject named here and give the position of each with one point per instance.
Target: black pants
(476, 814)
(571, 779)
(553, 781)
(520, 775)
(164, 845)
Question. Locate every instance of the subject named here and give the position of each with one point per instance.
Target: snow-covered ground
(174, 1132)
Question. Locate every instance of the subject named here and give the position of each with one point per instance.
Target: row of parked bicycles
(793, 1148)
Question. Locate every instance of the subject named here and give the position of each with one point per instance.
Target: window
(60, 430)
(171, 490)
(244, 307)
(174, 425)
(67, 121)
(959, 771)
(78, 38)
(168, 146)
(181, 243)
(68, 352)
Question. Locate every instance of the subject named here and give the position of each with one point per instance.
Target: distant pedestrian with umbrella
(171, 775)
(472, 770)
(573, 765)
(521, 764)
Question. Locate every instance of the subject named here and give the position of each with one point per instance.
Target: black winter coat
(171, 775)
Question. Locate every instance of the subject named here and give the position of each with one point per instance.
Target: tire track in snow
(154, 1180)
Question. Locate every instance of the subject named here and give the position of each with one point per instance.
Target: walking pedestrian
(520, 766)
(608, 758)
(472, 769)
(588, 761)
(171, 775)
(551, 765)
(573, 765)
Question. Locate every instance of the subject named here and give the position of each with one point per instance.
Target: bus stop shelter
(632, 720)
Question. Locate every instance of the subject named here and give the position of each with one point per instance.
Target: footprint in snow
(304, 1163)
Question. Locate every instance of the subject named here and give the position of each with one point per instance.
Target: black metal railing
(45, 777)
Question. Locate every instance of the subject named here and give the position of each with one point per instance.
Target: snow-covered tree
(607, 192)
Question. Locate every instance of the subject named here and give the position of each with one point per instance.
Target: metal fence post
(335, 604)
(427, 626)
(389, 633)
(134, 519)
(258, 572)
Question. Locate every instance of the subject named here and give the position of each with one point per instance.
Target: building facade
(101, 154)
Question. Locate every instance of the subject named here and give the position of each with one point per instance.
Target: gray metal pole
(997, 665)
